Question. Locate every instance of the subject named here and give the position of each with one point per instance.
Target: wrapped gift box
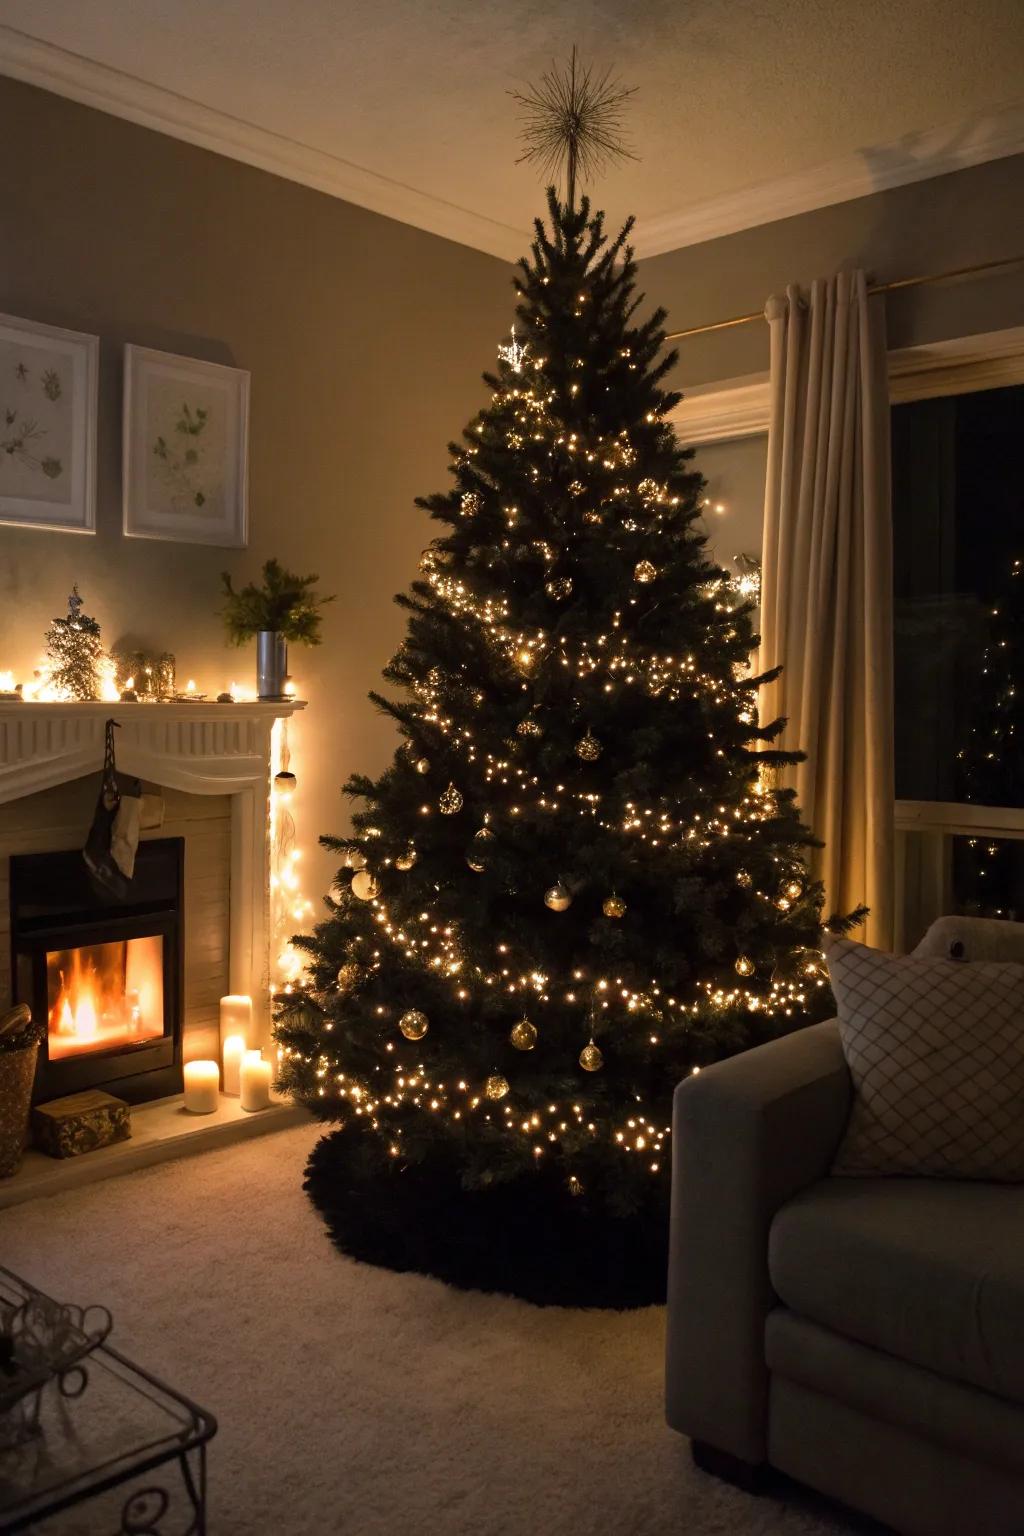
(81, 1122)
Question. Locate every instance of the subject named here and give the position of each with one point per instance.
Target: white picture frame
(185, 450)
(48, 409)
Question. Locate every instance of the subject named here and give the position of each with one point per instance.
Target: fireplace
(106, 975)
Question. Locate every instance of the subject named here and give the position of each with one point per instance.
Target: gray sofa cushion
(931, 1272)
(956, 1417)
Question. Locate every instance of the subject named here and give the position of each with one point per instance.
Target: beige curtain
(826, 611)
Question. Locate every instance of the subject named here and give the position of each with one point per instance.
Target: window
(958, 519)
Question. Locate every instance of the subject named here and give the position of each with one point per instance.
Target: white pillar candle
(202, 1082)
(235, 1016)
(232, 1051)
(255, 1075)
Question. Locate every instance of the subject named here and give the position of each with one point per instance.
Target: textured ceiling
(731, 93)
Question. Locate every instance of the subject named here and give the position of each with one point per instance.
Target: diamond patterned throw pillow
(936, 1052)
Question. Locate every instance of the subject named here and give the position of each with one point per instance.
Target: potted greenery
(285, 608)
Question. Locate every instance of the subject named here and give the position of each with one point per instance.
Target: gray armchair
(865, 1336)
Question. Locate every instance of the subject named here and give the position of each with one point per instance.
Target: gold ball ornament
(407, 859)
(422, 765)
(496, 1086)
(589, 748)
(354, 859)
(591, 1059)
(613, 906)
(528, 727)
(450, 802)
(558, 897)
(576, 488)
(743, 878)
(477, 852)
(348, 975)
(745, 966)
(469, 503)
(364, 885)
(793, 889)
(523, 1035)
(644, 572)
(414, 1024)
(559, 587)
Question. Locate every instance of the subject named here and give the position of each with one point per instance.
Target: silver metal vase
(271, 664)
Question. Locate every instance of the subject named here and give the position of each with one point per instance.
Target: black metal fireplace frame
(153, 1068)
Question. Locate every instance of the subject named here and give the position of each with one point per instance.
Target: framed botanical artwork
(48, 386)
(186, 440)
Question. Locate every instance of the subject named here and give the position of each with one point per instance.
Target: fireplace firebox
(106, 975)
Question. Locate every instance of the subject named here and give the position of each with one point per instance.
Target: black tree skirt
(528, 1238)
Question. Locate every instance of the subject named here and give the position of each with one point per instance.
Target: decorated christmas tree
(575, 884)
(74, 652)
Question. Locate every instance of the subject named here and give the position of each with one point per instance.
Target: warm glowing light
(105, 995)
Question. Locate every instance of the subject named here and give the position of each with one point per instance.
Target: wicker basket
(17, 1072)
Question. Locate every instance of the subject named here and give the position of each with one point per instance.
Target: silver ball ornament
(558, 897)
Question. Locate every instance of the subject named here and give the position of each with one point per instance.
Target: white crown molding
(916, 157)
(741, 407)
(110, 90)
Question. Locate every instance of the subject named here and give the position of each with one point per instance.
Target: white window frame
(739, 408)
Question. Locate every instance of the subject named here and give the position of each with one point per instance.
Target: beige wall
(951, 221)
(365, 339)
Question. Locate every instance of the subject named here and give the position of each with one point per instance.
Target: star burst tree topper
(574, 117)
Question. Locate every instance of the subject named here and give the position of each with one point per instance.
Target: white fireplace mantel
(202, 748)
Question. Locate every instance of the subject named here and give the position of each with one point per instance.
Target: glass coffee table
(120, 1437)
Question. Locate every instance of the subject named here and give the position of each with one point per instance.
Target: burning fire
(105, 996)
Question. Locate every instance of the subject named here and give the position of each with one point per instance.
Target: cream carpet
(357, 1401)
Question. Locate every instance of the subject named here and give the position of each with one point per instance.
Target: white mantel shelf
(43, 744)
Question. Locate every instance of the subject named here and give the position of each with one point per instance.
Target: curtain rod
(899, 282)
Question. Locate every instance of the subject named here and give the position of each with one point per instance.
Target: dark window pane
(958, 516)
(972, 876)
